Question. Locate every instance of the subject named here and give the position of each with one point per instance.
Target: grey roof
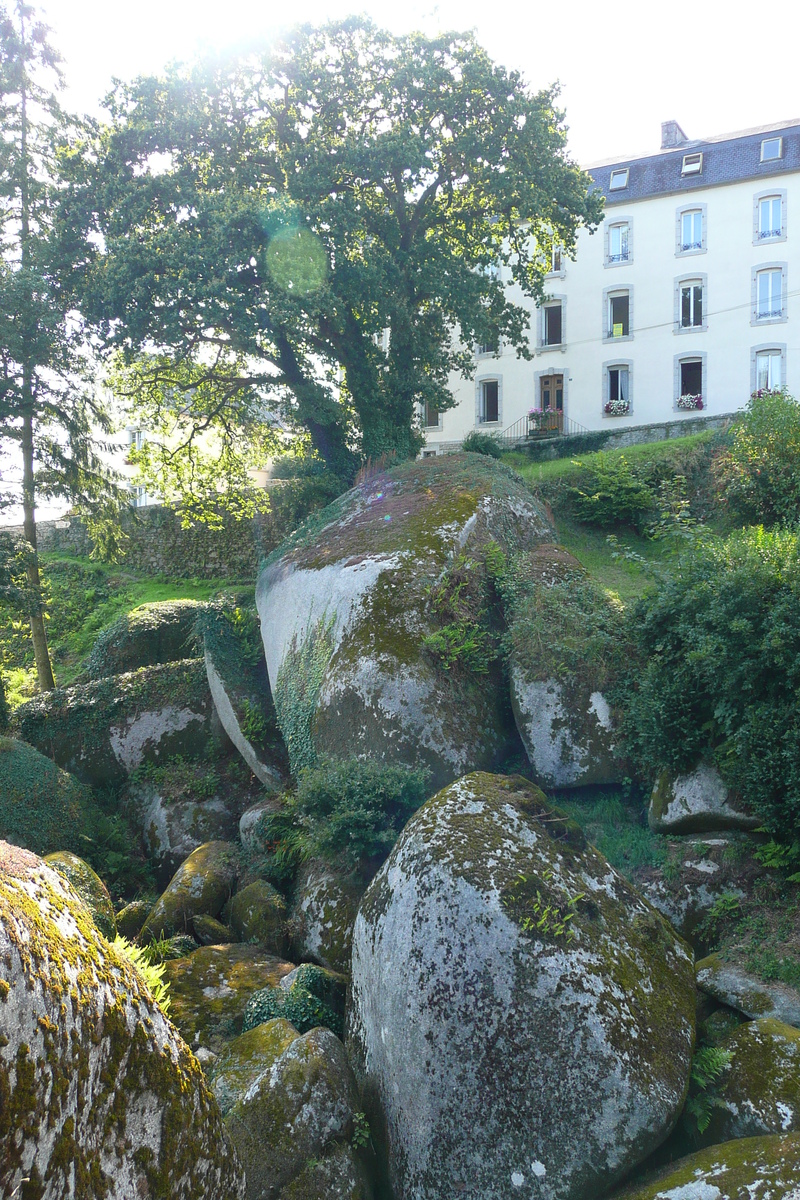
(725, 160)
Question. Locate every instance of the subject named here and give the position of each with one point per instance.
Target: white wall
(727, 261)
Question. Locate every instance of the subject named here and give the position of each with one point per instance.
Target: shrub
(482, 443)
(295, 1004)
(719, 652)
(350, 811)
(760, 475)
(610, 492)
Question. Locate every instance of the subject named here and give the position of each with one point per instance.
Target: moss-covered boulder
(173, 818)
(338, 1175)
(696, 877)
(758, 1168)
(699, 802)
(202, 884)
(89, 886)
(380, 618)
(308, 996)
(730, 984)
(208, 931)
(251, 824)
(209, 990)
(42, 808)
(239, 683)
(323, 914)
(523, 1018)
(104, 730)
(132, 917)
(258, 914)
(286, 1098)
(100, 1096)
(148, 635)
(759, 1091)
(563, 636)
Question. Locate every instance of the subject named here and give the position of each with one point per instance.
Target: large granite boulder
(237, 677)
(257, 913)
(104, 730)
(148, 635)
(42, 808)
(759, 1091)
(89, 886)
(699, 802)
(323, 913)
(210, 988)
(286, 1099)
(521, 1018)
(698, 876)
(757, 1168)
(203, 884)
(100, 1096)
(558, 668)
(730, 984)
(377, 618)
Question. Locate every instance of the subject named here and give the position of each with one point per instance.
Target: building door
(552, 393)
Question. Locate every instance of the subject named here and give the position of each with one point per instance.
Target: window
(692, 164)
(488, 401)
(769, 369)
(431, 416)
(619, 315)
(692, 230)
(691, 305)
(135, 439)
(769, 294)
(552, 327)
(691, 377)
(771, 148)
(556, 261)
(138, 497)
(617, 397)
(618, 383)
(484, 348)
(618, 180)
(618, 242)
(769, 217)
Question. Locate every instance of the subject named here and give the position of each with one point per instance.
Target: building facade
(683, 302)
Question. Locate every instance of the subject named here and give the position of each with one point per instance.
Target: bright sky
(713, 67)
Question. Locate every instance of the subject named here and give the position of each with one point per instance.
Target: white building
(690, 288)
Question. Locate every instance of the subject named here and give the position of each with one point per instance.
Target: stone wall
(633, 435)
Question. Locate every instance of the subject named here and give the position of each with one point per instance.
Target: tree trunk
(44, 668)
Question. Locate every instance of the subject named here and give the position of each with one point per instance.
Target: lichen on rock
(42, 808)
(522, 1019)
(698, 802)
(732, 985)
(757, 1168)
(323, 913)
(99, 1097)
(89, 886)
(202, 884)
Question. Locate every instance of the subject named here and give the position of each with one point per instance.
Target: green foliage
(777, 856)
(285, 169)
(610, 493)
(180, 778)
(162, 950)
(297, 688)
(350, 811)
(254, 725)
(708, 1064)
(482, 443)
(717, 665)
(362, 1134)
(619, 831)
(547, 915)
(3, 706)
(726, 907)
(760, 476)
(152, 975)
(295, 1004)
(465, 603)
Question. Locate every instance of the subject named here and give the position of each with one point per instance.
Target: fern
(152, 975)
(707, 1065)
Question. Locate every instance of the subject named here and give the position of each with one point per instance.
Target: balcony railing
(549, 424)
(621, 257)
(691, 245)
(769, 233)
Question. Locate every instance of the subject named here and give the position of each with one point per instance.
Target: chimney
(672, 135)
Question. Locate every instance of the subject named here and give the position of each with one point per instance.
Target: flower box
(616, 408)
(689, 402)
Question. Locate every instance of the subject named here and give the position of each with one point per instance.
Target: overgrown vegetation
(465, 604)
(760, 475)
(152, 974)
(350, 812)
(708, 1065)
(482, 443)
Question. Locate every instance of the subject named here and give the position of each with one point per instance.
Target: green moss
(146, 636)
(760, 1168)
(297, 689)
(89, 886)
(42, 807)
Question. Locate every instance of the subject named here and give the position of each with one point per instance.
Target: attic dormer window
(618, 180)
(692, 164)
(771, 148)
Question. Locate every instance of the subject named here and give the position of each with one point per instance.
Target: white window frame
(622, 175)
(758, 199)
(427, 428)
(551, 302)
(136, 439)
(783, 316)
(776, 348)
(679, 215)
(557, 272)
(479, 382)
(692, 163)
(772, 157)
(617, 223)
(615, 364)
(608, 293)
(702, 358)
(681, 282)
(486, 352)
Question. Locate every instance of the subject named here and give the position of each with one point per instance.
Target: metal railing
(551, 423)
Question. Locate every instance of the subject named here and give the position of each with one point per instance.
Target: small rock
(258, 914)
(89, 886)
(738, 989)
(323, 914)
(250, 828)
(203, 884)
(211, 932)
(697, 803)
(132, 917)
(337, 1176)
(758, 1168)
